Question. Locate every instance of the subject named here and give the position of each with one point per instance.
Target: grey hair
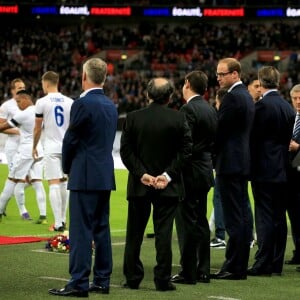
(295, 89)
(96, 70)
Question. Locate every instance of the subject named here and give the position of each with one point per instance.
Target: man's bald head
(159, 90)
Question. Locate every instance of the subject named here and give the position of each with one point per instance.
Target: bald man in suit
(155, 144)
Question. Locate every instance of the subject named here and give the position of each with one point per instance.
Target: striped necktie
(296, 127)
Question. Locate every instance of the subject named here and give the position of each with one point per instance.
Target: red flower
(58, 243)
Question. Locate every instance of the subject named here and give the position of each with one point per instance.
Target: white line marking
(48, 235)
(118, 244)
(46, 251)
(222, 298)
(54, 278)
(67, 280)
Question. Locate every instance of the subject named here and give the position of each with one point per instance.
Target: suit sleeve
(127, 153)
(185, 151)
(71, 137)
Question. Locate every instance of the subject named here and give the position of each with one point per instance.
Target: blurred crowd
(168, 50)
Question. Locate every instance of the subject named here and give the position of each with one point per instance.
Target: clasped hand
(159, 182)
(294, 146)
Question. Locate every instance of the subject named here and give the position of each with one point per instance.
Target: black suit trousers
(271, 227)
(293, 207)
(163, 214)
(193, 235)
(237, 219)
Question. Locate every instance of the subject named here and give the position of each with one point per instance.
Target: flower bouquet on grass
(59, 243)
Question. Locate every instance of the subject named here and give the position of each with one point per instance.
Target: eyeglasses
(223, 74)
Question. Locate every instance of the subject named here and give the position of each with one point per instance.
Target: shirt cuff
(167, 176)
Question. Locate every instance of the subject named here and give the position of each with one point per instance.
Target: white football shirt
(7, 111)
(25, 121)
(54, 108)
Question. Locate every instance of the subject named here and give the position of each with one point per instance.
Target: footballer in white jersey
(23, 163)
(54, 108)
(23, 160)
(7, 111)
(52, 117)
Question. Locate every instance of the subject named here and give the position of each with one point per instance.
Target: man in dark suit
(191, 221)
(271, 135)
(155, 144)
(87, 158)
(293, 174)
(235, 117)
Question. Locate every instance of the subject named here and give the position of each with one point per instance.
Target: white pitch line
(54, 278)
(47, 234)
(222, 298)
(46, 251)
(67, 280)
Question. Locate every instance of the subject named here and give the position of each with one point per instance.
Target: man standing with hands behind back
(235, 118)
(87, 159)
(155, 143)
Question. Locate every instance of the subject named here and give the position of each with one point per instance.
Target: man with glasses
(235, 118)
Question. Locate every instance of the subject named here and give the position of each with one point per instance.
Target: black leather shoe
(100, 289)
(228, 276)
(292, 261)
(204, 278)
(180, 279)
(257, 272)
(131, 286)
(69, 292)
(163, 287)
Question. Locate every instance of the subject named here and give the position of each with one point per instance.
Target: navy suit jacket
(235, 118)
(271, 135)
(202, 120)
(155, 139)
(88, 143)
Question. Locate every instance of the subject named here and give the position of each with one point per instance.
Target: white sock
(55, 200)
(40, 196)
(6, 194)
(20, 197)
(64, 199)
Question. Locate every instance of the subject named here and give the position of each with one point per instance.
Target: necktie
(296, 126)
